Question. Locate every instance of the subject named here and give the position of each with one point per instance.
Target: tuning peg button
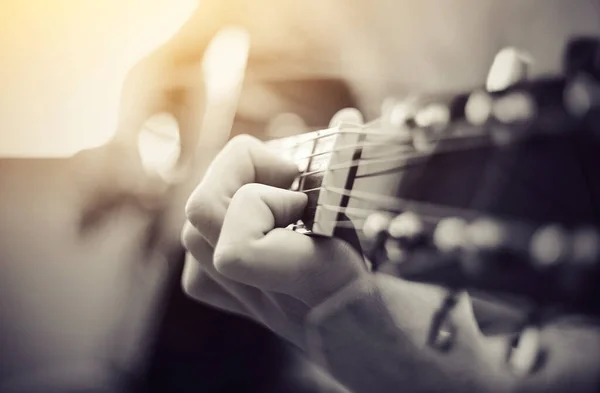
(516, 107)
(582, 55)
(486, 235)
(435, 116)
(449, 234)
(485, 241)
(549, 246)
(346, 115)
(478, 108)
(586, 247)
(408, 229)
(375, 224)
(582, 95)
(509, 67)
(394, 252)
(526, 356)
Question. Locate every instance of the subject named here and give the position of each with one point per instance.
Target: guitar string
(328, 133)
(394, 203)
(391, 204)
(466, 132)
(433, 150)
(354, 147)
(409, 161)
(377, 160)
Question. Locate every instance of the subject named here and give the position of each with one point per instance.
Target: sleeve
(372, 335)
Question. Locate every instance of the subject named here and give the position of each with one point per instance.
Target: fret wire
(303, 178)
(312, 189)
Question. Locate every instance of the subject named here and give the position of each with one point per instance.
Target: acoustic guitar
(490, 191)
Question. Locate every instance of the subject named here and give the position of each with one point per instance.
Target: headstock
(525, 221)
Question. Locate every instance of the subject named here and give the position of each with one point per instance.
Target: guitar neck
(319, 155)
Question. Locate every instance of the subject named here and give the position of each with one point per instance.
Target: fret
(321, 155)
(320, 152)
(347, 135)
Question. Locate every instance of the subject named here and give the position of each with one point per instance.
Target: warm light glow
(64, 63)
(159, 144)
(225, 64)
(224, 69)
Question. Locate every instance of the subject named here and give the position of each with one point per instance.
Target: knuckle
(242, 141)
(195, 282)
(249, 191)
(227, 259)
(190, 238)
(198, 208)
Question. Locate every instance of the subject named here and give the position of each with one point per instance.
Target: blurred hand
(113, 175)
(159, 84)
(242, 259)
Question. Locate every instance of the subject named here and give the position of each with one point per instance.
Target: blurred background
(111, 110)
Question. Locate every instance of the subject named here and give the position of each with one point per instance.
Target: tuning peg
(375, 224)
(525, 356)
(398, 114)
(514, 111)
(449, 234)
(375, 232)
(510, 66)
(486, 234)
(549, 246)
(478, 108)
(347, 115)
(405, 232)
(582, 94)
(407, 229)
(442, 332)
(514, 108)
(586, 247)
(485, 240)
(429, 121)
(434, 116)
(394, 252)
(582, 55)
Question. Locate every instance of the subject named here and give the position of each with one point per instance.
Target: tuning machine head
(406, 232)
(509, 67)
(393, 238)
(582, 55)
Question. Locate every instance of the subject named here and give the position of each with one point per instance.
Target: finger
(244, 160)
(346, 115)
(256, 250)
(200, 286)
(202, 252)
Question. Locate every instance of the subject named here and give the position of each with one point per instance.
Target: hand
(114, 175)
(242, 259)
